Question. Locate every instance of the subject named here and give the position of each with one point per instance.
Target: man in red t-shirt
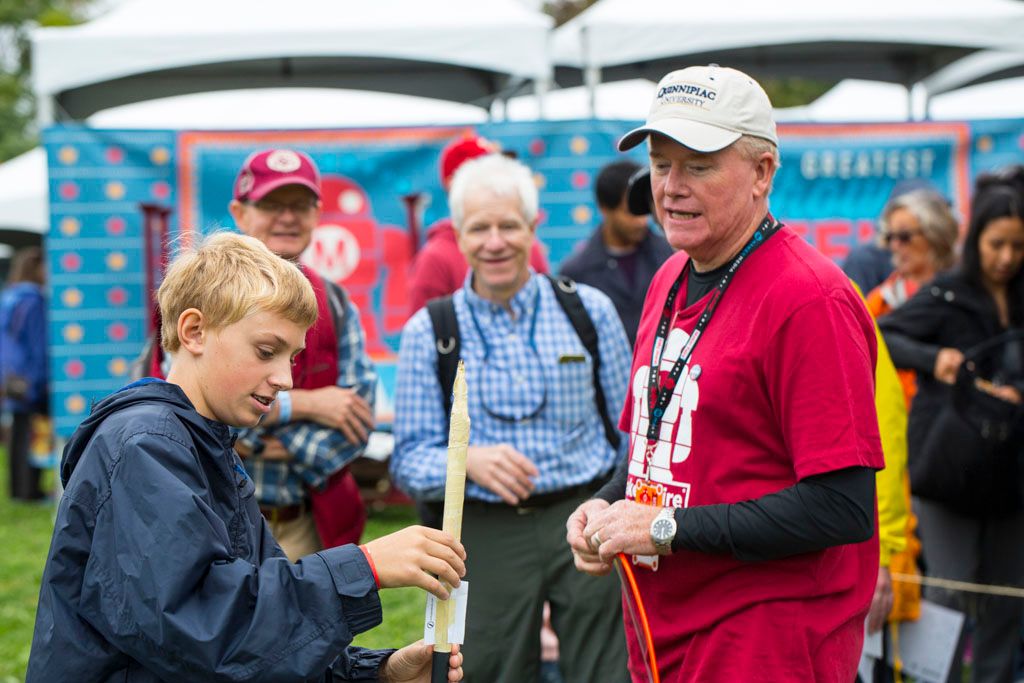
(439, 267)
(747, 505)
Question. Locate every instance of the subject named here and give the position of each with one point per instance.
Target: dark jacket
(949, 313)
(593, 265)
(161, 567)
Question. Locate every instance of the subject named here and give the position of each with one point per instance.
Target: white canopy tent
(874, 101)
(24, 204)
(900, 41)
(457, 50)
(980, 67)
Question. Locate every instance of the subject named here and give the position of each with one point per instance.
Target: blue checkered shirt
(317, 451)
(565, 439)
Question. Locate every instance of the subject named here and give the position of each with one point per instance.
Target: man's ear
(237, 210)
(764, 173)
(192, 331)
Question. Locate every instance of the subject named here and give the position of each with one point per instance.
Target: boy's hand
(414, 556)
(336, 407)
(411, 664)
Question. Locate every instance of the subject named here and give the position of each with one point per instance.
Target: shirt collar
(522, 302)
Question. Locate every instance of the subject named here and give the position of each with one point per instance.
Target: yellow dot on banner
(67, 155)
(160, 155)
(540, 180)
(579, 145)
(581, 214)
(73, 333)
(75, 403)
(72, 297)
(70, 227)
(116, 260)
(115, 190)
(985, 143)
(117, 367)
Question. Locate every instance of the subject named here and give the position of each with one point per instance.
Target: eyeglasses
(300, 207)
(900, 236)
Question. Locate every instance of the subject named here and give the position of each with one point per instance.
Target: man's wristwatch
(663, 530)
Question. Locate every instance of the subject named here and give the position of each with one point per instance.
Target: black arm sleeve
(615, 489)
(818, 512)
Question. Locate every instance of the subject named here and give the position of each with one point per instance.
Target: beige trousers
(297, 537)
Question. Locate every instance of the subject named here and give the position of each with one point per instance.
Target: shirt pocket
(572, 400)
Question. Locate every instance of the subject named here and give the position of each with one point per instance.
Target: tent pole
(591, 72)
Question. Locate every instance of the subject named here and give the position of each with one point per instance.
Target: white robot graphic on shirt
(657, 487)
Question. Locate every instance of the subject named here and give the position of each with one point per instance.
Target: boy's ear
(192, 330)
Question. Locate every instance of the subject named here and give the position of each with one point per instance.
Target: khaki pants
(297, 537)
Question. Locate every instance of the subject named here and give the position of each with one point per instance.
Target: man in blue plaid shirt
(537, 443)
(301, 448)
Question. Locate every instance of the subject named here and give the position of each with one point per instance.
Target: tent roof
(892, 40)
(459, 50)
(23, 193)
(980, 67)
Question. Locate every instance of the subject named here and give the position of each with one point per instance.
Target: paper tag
(457, 629)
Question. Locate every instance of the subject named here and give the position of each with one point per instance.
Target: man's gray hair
(497, 175)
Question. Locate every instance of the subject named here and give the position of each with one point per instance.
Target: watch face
(663, 530)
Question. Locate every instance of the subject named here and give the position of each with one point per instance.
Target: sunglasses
(899, 236)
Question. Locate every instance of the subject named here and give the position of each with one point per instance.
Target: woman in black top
(968, 487)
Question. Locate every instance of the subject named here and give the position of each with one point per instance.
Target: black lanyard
(658, 394)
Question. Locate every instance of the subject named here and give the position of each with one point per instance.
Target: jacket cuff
(357, 664)
(354, 582)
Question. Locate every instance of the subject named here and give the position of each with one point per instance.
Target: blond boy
(161, 567)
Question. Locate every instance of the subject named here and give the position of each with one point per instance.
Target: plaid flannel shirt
(565, 439)
(317, 451)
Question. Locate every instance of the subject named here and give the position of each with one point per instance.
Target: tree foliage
(17, 106)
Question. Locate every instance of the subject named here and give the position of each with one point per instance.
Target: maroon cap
(460, 151)
(263, 172)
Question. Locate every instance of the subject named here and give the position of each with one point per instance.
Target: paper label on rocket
(457, 629)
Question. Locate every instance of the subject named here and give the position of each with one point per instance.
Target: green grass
(25, 532)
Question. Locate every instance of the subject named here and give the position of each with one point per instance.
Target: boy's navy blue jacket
(162, 568)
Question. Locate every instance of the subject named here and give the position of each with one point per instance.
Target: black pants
(24, 479)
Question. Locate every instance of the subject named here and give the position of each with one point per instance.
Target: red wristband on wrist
(373, 567)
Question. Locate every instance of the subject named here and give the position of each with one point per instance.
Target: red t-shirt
(785, 390)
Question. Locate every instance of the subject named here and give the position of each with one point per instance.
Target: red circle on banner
(115, 225)
(114, 155)
(580, 180)
(74, 368)
(71, 261)
(537, 147)
(68, 191)
(116, 296)
(117, 331)
(161, 190)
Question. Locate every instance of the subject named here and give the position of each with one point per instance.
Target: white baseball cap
(706, 108)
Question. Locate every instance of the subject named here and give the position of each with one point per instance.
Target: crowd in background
(947, 293)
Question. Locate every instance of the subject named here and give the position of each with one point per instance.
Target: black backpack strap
(337, 301)
(448, 345)
(568, 296)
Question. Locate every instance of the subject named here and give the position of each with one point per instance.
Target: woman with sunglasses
(968, 489)
(921, 232)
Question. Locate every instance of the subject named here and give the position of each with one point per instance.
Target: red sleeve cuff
(373, 567)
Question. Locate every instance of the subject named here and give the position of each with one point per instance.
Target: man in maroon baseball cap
(297, 455)
(440, 268)
(277, 200)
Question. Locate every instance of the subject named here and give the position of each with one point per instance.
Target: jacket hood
(147, 390)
